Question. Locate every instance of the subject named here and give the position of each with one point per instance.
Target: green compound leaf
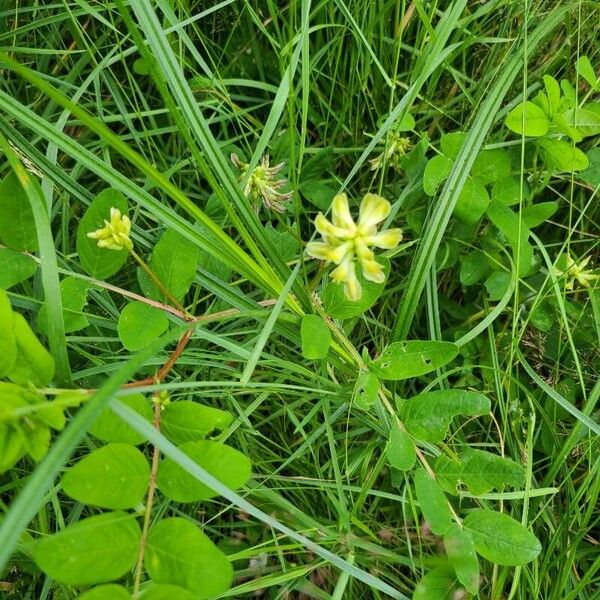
(439, 584)
(174, 262)
(479, 470)
(167, 591)
(538, 213)
(491, 166)
(451, 143)
(339, 307)
(17, 225)
(529, 119)
(586, 70)
(497, 284)
(114, 476)
(15, 268)
(472, 202)
(500, 539)
(140, 324)
(563, 156)
(436, 171)
(315, 336)
(187, 421)
(366, 389)
(400, 449)
(428, 416)
(403, 360)
(229, 466)
(8, 340)
(98, 262)
(434, 504)
(74, 297)
(111, 428)
(110, 591)
(460, 550)
(179, 553)
(586, 122)
(34, 363)
(473, 267)
(94, 550)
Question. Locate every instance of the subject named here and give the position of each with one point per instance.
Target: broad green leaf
(563, 155)
(479, 470)
(315, 336)
(592, 174)
(15, 267)
(407, 122)
(174, 262)
(73, 293)
(438, 584)
(436, 171)
(365, 390)
(587, 122)
(339, 307)
(286, 245)
(506, 191)
(36, 438)
(473, 268)
(12, 447)
(460, 550)
(187, 421)
(318, 193)
(537, 214)
(140, 324)
(111, 428)
(229, 466)
(34, 364)
(529, 119)
(491, 166)
(450, 143)
(114, 476)
(110, 591)
(166, 591)
(98, 262)
(500, 539)
(400, 449)
(94, 550)
(472, 202)
(433, 502)
(586, 70)
(8, 339)
(497, 284)
(17, 225)
(515, 231)
(552, 93)
(179, 553)
(403, 360)
(428, 416)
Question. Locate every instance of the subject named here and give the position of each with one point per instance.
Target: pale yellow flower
(346, 242)
(115, 233)
(263, 185)
(575, 271)
(397, 147)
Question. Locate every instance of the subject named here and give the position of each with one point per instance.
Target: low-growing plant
(202, 316)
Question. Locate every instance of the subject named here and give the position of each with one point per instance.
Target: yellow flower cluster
(115, 234)
(346, 242)
(575, 271)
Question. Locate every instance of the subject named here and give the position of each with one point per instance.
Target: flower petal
(386, 239)
(319, 250)
(373, 209)
(326, 228)
(372, 271)
(352, 288)
(340, 213)
(344, 271)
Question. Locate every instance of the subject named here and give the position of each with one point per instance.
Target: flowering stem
(149, 503)
(159, 284)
